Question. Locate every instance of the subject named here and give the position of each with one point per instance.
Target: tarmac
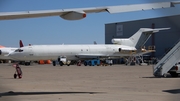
(86, 83)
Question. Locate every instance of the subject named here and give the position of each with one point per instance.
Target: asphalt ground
(90, 83)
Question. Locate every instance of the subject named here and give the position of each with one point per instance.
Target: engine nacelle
(124, 41)
(116, 41)
(127, 51)
(74, 15)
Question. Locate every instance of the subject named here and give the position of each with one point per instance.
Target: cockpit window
(18, 50)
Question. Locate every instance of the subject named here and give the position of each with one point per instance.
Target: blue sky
(55, 30)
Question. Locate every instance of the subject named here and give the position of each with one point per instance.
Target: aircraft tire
(54, 63)
(174, 74)
(89, 63)
(85, 63)
(27, 63)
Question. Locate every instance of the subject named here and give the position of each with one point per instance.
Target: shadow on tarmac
(173, 91)
(160, 77)
(168, 76)
(11, 93)
(150, 77)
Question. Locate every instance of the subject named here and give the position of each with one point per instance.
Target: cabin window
(18, 50)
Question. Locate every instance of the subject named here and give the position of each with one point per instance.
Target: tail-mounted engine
(127, 51)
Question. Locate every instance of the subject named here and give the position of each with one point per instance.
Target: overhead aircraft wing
(80, 13)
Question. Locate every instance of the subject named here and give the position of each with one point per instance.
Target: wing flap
(138, 7)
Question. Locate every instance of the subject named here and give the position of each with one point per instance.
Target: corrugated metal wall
(163, 40)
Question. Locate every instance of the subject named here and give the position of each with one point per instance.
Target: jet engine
(116, 41)
(124, 41)
(127, 51)
(74, 15)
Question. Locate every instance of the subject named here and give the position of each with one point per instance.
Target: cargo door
(30, 51)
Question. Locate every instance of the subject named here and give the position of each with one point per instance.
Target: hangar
(163, 40)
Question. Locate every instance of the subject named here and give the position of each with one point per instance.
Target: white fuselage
(71, 52)
(5, 51)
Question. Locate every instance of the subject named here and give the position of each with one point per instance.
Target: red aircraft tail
(21, 43)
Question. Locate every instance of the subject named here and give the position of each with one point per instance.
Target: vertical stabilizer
(139, 38)
(21, 43)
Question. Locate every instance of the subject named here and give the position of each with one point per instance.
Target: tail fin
(139, 38)
(21, 43)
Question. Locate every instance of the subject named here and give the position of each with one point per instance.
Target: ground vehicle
(175, 70)
(92, 62)
(146, 59)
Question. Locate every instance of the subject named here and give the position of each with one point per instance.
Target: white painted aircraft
(80, 13)
(125, 47)
(4, 51)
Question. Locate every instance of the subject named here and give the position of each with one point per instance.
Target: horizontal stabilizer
(153, 30)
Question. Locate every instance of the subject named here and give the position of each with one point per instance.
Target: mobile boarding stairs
(167, 62)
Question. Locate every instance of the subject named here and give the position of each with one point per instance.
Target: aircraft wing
(146, 52)
(80, 13)
(95, 56)
(91, 56)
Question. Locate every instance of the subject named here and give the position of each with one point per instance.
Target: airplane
(80, 13)
(5, 51)
(125, 47)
